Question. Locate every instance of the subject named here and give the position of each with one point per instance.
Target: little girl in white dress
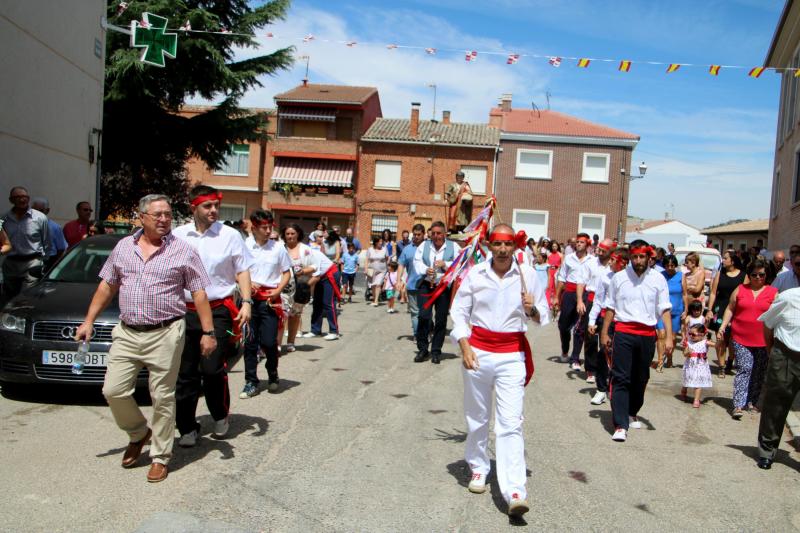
(696, 372)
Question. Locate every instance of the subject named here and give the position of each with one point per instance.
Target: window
(595, 167)
(534, 223)
(534, 164)
(382, 222)
(312, 129)
(476, 177)
(344, 129)
(238, 161)
(231, 212)
(776, 187)
(387, 174)
(591, 223)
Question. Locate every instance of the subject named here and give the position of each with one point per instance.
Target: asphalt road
(361, 438)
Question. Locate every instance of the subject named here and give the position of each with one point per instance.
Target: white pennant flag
(555, 61)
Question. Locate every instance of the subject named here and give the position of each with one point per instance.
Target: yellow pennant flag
(797, 73)
(673, 67)
(583, 62)
(714, 70)
(755, 72)
(624, 66)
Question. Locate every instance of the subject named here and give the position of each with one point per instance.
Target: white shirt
(600, 296)
(304, 257)
(784, 268)
(786, 280)
(638, 298)
(570, 271)
(591, 273)
(495, 304)
(223, 253)
(321, 261)
(435, 255)
(783, 318)
(271, 261)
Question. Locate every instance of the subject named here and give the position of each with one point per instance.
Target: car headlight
(9, 322)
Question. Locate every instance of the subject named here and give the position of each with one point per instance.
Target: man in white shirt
(791, 278)
(270, 273)
(596, 268)
(490, 314)
(782, 383)
(227, 263)
(431, 260)
(637, 296)
(566, 300)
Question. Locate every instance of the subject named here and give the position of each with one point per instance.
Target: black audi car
(37, 327)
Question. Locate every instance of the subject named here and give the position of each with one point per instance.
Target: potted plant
(322, 190)
(310, 190)
(348, 193)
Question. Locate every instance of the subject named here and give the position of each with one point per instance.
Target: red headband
(207, 198)
(618, 258)
(646, 250)
(501, 235)
(584, 239)
(605, 246)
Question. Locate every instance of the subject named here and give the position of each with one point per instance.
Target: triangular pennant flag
(797, 73)
(391, 46)
(583, 62)
(471, 56)
(186, 26)
(673, 67)
(121, 8)
(714, 70)
(624, 66)
(512, 58)
(308, 38)
(756, 72)
(555, 61)
(351, 44)
(430, 51)
(269, 35)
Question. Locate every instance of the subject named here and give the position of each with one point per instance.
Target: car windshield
(709, 261)
(82, 263)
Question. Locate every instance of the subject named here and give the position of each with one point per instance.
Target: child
(541, 267)
(694, 316)
(349, 269)
(696, 372)
(389, 283)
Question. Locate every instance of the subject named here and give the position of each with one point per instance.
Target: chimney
(413, 128)
(495, 119)
(305, 82)
(505, 102)
(445, 117)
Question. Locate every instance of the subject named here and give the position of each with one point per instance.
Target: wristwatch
(210, 333)
(248, 301)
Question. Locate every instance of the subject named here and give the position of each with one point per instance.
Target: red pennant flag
(471, 56)
(121, 8)
(391, 46)
(555, 61)
(430, 51)
(512, 58)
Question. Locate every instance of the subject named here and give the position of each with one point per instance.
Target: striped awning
(308, 113)
(323, 172)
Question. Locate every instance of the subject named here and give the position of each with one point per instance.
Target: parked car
(710, 259)
(37, 326)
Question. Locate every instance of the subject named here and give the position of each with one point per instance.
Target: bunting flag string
(511, 57)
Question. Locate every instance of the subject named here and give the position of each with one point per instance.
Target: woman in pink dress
(554, 260)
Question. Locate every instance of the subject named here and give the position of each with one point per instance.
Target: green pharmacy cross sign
(150, 35)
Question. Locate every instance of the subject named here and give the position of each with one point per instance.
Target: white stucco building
(662, 232)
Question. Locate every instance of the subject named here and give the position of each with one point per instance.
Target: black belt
(141, 328)
(27, 257)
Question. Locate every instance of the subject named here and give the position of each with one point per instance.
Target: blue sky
(708, 142)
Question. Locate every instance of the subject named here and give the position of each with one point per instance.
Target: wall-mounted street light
(624, 191)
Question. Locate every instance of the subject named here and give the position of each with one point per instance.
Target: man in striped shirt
(150, 269)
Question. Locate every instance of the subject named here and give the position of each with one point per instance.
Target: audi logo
(69, 332)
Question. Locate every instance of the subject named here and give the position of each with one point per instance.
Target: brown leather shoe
(158, 472)
(134, 450)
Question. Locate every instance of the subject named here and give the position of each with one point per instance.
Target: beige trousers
(160, 352)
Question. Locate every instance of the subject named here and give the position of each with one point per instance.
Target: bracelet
(248, 301)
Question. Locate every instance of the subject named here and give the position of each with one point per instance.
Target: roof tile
(327, 93)
(396, 129)
(555, 123)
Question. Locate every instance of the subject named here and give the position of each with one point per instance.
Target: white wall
(51, 95)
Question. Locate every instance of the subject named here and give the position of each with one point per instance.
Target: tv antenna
(433, 86)
(548, 95)
(535, 108)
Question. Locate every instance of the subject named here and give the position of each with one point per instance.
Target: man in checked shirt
(150, 269)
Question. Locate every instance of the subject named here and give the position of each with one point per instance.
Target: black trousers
(208, 374)
(264, 325)
(568, 319)
(433, 318)
(630, 372)
(597, 356)
(781, 387)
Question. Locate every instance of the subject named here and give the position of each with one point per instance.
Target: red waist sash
(591, 296)
(635, 328)
(570, 287)
(602, 313)
(261, 294)
(332, 279)
(232, 309)
(493, 341)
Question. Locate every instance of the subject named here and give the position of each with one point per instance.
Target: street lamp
(642, 172)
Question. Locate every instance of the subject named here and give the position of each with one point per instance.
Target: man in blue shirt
(57, 244)
(349, 237)
(402, 243)
(406, 264)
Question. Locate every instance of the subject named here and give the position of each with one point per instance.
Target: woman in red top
(748, 302)
(554, 260)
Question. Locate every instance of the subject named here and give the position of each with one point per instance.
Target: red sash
(329, 274)
(261, 294)
(570, 287)
(493, 341)
(635, 328)
(591, 296)
(603, 313)
(232, 309)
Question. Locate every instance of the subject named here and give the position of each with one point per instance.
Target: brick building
(315, 152)
(242, 178)
(406, 164)
(741, 235)
(558, 175)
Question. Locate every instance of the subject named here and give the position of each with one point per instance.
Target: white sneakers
(634, 423)
(590, 379)
(576, 367)
(189, 439)
(599, 398)
(620, 435)
(308, 335)
(289, 348)
(477, 484)
(221, 427)
(331, 336)
(517, 506)
(563, 359)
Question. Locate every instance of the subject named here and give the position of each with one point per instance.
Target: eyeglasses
(758, 275)
(20, 197)
(166, 215)
(273, 238)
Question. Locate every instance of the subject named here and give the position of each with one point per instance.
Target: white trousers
(505, 373)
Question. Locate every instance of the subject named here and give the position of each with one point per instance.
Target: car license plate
(58, 357)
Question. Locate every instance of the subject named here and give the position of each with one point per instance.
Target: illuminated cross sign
(149, 34)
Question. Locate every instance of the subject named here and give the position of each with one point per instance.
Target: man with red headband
(490, 315)
(594, 269)
(270, 273)
(637, 297)
(599, 359)
(227, 262)
(566, 299)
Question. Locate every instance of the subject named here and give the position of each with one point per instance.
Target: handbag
(370, 273)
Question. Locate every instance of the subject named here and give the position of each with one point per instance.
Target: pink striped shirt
(152, 291)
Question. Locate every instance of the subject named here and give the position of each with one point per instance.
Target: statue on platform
(458, 197)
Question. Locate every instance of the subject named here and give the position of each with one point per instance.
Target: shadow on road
(456, 436)
(782, 456)
(461, 472)
(725, 403)
(606, 419)
(283, 386)
(87, 395)
(305, 348)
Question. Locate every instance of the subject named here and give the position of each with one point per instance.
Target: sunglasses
(759, 274)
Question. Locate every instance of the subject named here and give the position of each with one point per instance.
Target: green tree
(145, 142)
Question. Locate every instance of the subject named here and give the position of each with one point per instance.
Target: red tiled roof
(327, 93)
(555, 123)
(324, 172)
